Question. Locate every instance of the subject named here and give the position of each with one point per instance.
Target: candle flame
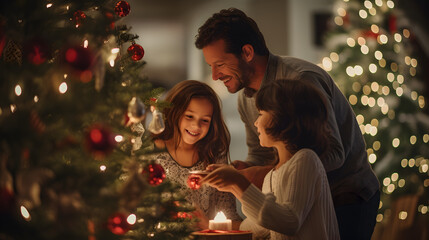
(220, 216)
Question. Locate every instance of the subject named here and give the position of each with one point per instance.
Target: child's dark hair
(235, 28)
(299, 114)
(216, 143)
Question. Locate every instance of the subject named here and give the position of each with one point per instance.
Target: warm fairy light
(334, 57)
(399, 91)
(366, 90)
(394, 177)
(390, 77)
(424, 209)
(411, 162)
(360, 118)
(406, 33)
(119, 138)
(341, 11)
(132, 219)
(378, 55)
(364, 49)
(85, 44)
(352, 99)
(351, 42)
(376, 145)
(372, 68)
(48, 5)
(103, 168)
(363, 14)
(385, 109)
(391, 114)
(426, 138)
(379, 3)
(379, 217)
(404, 163)
(358, 70)
(396, 142)
(382, 39)
(401, 183)
(18, 90)
(350, 71)
(372, 11)
(327, 64)
(375, 28)
(339, 21)
(397, 37)
(394, 66)
(385, 90)
(12, 108)
(382, 62)
(374, 122)
(413, 71)
(364, 100)
(390, 188)
(400, 78)
(381, 102)
(402, 215)
(414, 62)
(36, 98)
(112, 62)
(390, 4)
(421, 102)
(25, 213)
(396, 48)
(63, 87)
(367, 4)
(423, 168)
(386, 181)
(407, 60)
(371, 102)
(114, 50)
(372, 158)
(361, 41)
(356, 86)
(414, 95)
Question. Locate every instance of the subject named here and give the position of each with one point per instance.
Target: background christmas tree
(76, 161)
(375, 58)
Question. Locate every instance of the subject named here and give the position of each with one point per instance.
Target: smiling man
(235, 49)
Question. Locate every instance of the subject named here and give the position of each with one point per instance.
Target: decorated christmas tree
(76, 161)
(374, 58)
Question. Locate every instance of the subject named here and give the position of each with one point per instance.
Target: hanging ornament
(122, 8)
(12, 52)
(155, 172)
(136, 52)
(137, 140)
(79, 18)
(37, 51)
(194, 181)
(100, 140)
(79, 58)
(117, 224)
(183, 215)
(136, 110)
(156, 126)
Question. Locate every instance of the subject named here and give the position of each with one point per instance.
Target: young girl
(196, 136)
(295, 202)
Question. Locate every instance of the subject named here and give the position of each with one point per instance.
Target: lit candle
(220, 222)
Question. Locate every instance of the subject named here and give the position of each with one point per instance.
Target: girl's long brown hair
(216, 143)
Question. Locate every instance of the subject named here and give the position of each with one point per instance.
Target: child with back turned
(295, 201)
(195, 136)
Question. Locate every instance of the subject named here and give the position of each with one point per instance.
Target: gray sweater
(347, 166)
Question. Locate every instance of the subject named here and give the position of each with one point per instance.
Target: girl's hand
(213, 167)
(227, 179)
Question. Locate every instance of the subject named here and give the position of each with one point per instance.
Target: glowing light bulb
(363, 14)
(18, 90)
(62, 88)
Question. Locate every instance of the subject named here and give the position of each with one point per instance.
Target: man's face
(232, 71)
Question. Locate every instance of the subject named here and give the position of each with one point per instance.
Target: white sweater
(299, 206)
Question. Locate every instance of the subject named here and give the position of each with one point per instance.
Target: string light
(341, 11)
(378, 55)
(327, 63)
(385, 90)
(351, 42)
(352, 99)
(18, 90)
(339, 21)
(103, 168)
(367, 4)
(364, 49)
(396, 142)
(379, 3)
(397, 37)
(421, 102)
(36, 99)
(334, 57)
(356, 86)
(403, 215)
(382, 39)
(25, 214)
(406, 33)
(63, 88)
(390, 4)
(363, 14)
(372, 68)
(382, 62)
(426, 138)
(375, 28)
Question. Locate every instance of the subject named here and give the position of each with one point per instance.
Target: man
(235, 49)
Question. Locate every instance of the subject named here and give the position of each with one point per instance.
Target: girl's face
(195, 121)
(261, 123)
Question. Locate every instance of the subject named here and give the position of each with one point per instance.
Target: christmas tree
(374, 60)
(76, 161)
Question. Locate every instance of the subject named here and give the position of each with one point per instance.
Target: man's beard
(246, 71)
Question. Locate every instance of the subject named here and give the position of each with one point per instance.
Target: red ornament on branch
(100, 140)
(117, 224)
(194, 181)
(156, 174)
(122, 8)
(78, 18)
(37, 51)
(136, 52)
(79, 58)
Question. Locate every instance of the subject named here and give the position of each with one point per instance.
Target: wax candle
(220, 222)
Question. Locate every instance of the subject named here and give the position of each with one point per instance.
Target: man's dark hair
(235, 28)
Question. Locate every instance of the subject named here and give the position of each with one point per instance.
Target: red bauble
(37, 51)
(183, 215)
(79, 58)
(122, 8)
(100, 140)
(78, 18)
(136, 51)
(156, 174)
(117, 224)
(194, 181)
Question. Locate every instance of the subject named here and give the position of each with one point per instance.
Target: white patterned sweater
(207, 198)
